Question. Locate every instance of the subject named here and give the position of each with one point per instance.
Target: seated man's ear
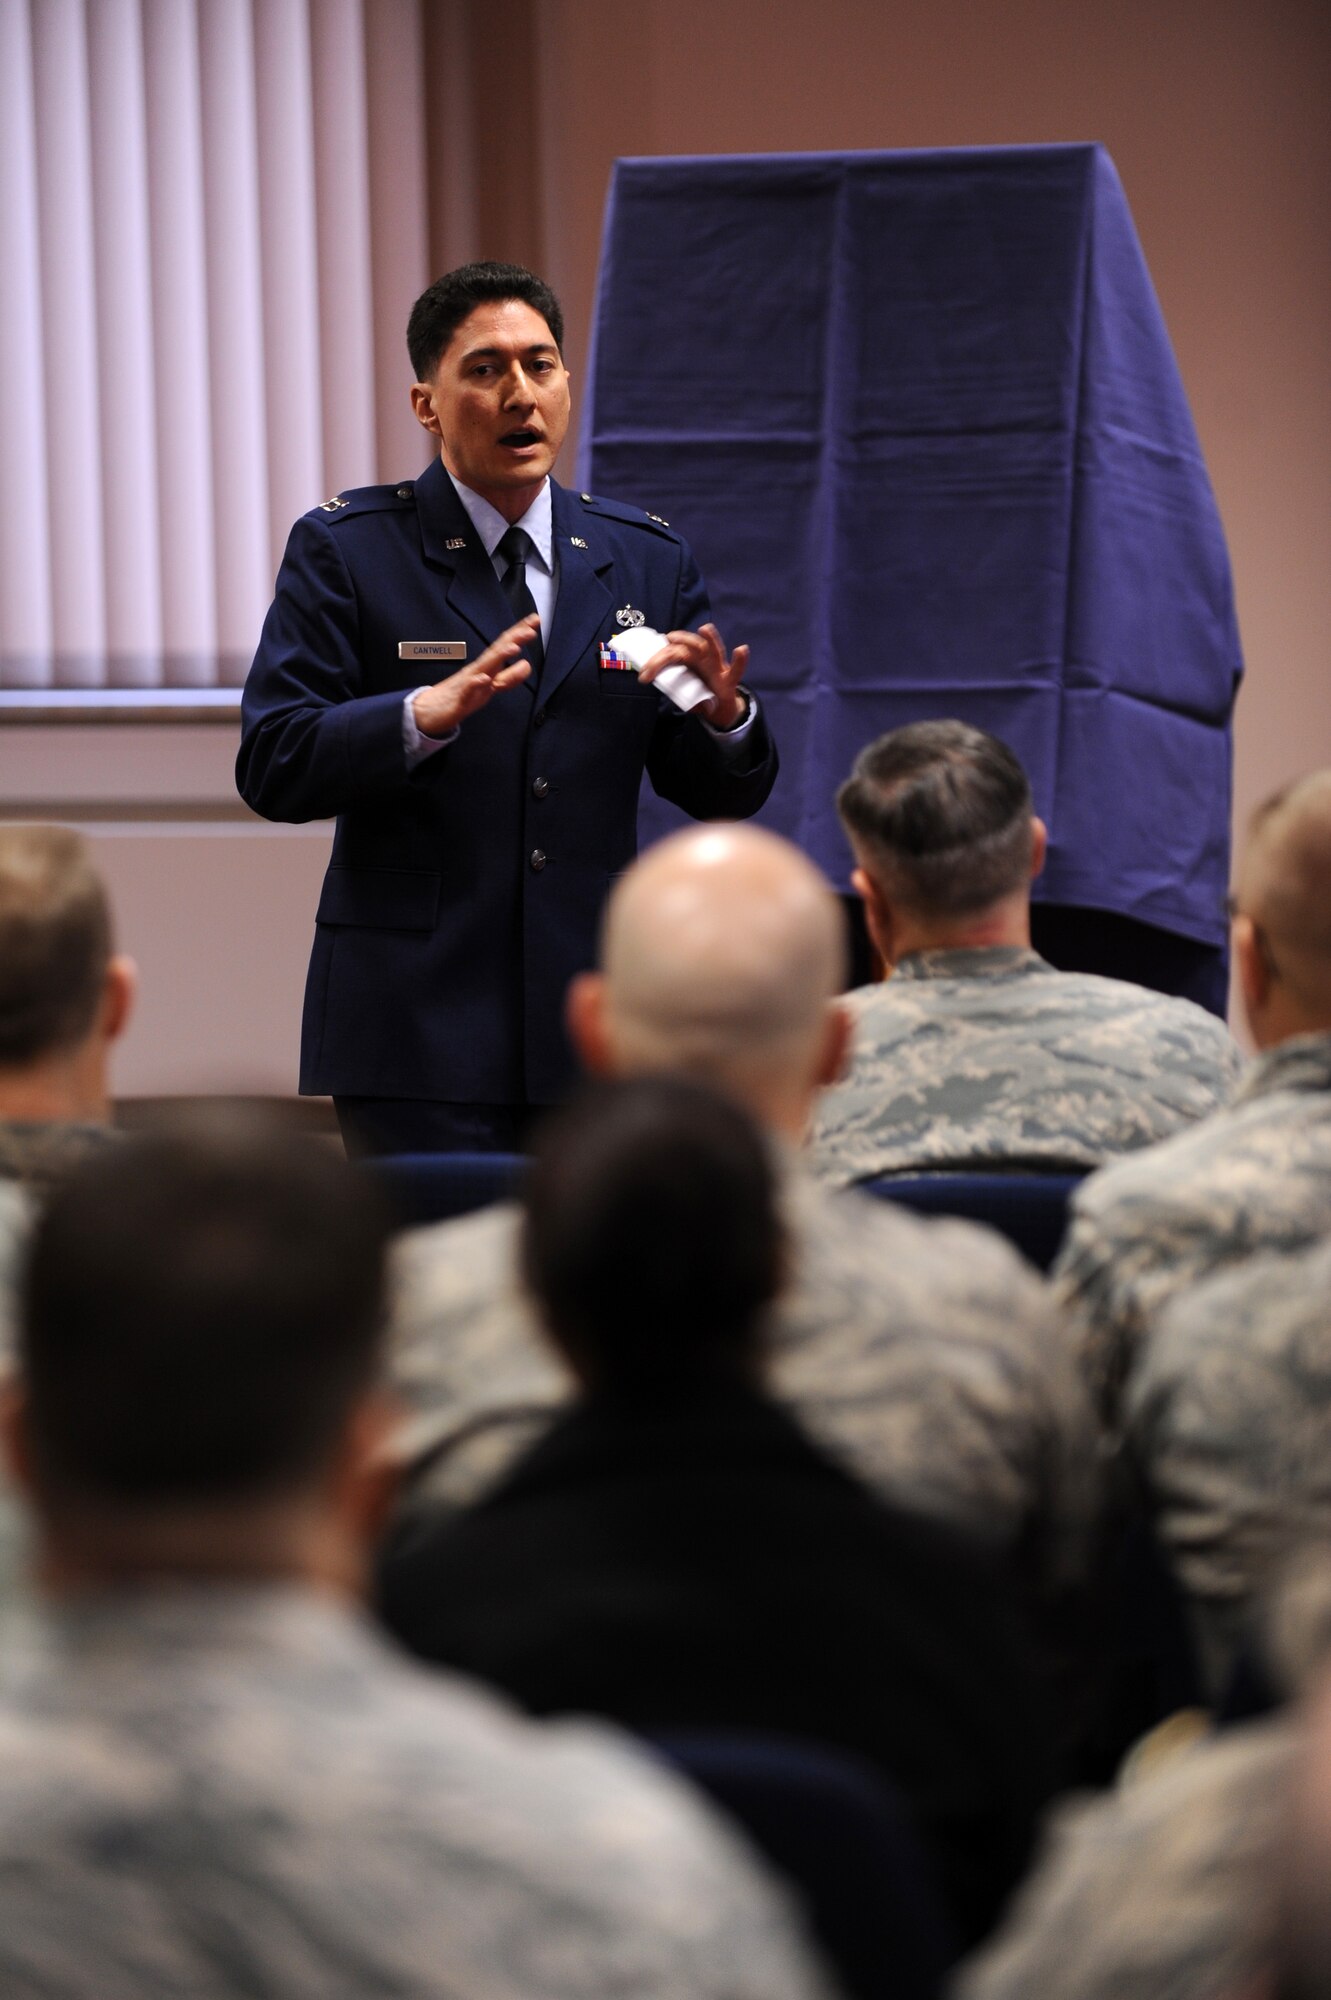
(877, 915)
(838, 1036)
(1253, 967)
(585, 1019)
(15, 1448)
(1039, 844)
(119, 993)
(366, 1475)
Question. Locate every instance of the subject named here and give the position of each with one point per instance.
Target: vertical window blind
(213, 221)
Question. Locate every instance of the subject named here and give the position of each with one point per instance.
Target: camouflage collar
(989, 961)
(177, 1618)
(36, 1151)
(1303, 1063)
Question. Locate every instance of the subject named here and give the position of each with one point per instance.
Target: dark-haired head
(444, 305)
(940, 817)
(199, 1316)
(652, 1243)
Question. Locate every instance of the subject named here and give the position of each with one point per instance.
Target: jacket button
(537, 859)
(538, 718)
(539, 787)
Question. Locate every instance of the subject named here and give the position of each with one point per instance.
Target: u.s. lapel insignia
(627, 616)
(456, 542)
(576, 541)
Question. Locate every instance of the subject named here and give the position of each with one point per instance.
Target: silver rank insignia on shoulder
(584, 496)
(456, 542)
(577, 542)
(626, 615)
(432, 649)
(331, 506)
(660, 519)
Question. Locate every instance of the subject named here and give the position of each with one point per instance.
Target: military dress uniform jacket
(463, 895)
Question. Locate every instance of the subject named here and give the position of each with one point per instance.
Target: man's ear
(1039, 844)
(834, 1054)
(366, 1473)
(585, 1019)
(119, 994)
(422, 403)
(1253, 970)
(15, 1445)
(877, 915)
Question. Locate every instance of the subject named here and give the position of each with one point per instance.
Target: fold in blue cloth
(920, 419)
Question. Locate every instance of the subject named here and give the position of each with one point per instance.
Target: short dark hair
(198, 1312)
(442, 307)
(55, 942)
(652, 1242)
(942, 812)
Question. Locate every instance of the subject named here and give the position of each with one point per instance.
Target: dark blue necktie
(514, 546)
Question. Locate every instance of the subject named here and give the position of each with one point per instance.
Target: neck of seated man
(1005, 924)
(256, 1542)
(65, 1087)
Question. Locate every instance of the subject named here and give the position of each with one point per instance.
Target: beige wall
(1216, 113)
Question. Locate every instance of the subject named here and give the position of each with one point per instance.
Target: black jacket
(706, 1565)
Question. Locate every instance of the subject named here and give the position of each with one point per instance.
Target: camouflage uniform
(925, 1355)
(35, 1152)
(1164, 1891)
(990, 1059)
(1229, 1421)
(15, 1219)
(1255, 1176)
(228, 1791)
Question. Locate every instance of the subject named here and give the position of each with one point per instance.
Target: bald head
(1284, 896)
(721, 953)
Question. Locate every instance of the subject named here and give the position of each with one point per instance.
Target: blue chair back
(432, 1187)
(1031, 1210)
(842, 1836)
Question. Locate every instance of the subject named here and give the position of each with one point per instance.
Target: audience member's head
(940, 821)
(1282, 921)
(64, 993)
(721, 954)
(651, 1241)
(197, 1359)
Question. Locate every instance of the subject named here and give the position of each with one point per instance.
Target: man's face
(499, 403)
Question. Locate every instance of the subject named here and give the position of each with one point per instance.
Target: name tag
(432, 649)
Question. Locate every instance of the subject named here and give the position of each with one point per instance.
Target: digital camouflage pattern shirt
(1254, 1176)
(990, 1060)
(1163, 1891)
(1228, 1422)
(229, 1791)
(925, 1355)
(35, 1152)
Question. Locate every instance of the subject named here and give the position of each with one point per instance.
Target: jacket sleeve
(688, 763)
(311, 743)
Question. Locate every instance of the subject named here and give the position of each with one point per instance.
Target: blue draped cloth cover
(920, 419)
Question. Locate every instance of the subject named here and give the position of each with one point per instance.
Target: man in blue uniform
(481, 816)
